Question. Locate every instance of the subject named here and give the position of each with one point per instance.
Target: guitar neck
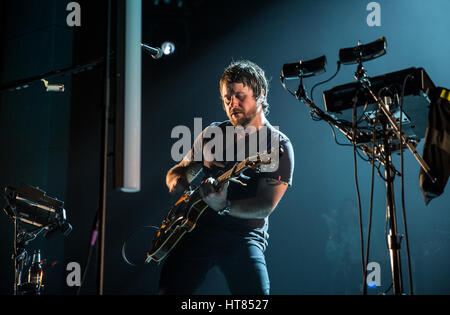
(232, 171)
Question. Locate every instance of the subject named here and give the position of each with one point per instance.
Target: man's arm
(269, 193)
(179, 176)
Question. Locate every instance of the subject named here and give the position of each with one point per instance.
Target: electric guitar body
(181, 218)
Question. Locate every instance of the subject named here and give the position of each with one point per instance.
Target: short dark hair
(249, 74)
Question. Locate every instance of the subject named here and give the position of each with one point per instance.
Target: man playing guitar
(232, 232)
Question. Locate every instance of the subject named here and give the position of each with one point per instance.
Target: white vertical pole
(132, 111)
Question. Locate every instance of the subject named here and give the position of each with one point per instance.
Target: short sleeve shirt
(221, 142)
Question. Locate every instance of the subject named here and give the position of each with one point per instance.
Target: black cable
(364, 260)
(361, 157)
(387, 88)
(357, 188)
(388, 289)
(124, 255)
(313, 111)
(342, 144)
(403, 187)
(327, 80)
(393, 169)
(334, 136)
(370, 211)
(380, 174)
(363, 112)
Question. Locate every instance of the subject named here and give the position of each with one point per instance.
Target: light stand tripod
(390, 126)
(21, 258)
(20, 255)
(31, 206)
(393, 239)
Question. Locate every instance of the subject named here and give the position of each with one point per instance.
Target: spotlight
(31, 205)
(168, 48)
(360, 53)
(303, 68)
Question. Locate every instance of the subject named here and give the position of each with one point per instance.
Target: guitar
(183, 216)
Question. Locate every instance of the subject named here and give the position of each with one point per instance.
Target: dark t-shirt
(223, 143)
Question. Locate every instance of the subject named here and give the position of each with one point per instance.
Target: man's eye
(227, 99)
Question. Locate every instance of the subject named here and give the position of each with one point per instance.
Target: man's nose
(234, 101)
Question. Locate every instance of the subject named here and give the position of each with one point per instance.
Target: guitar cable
(124, 256)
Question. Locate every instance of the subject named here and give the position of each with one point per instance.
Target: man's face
(240, 104)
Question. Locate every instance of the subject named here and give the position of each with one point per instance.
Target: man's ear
(261, 97)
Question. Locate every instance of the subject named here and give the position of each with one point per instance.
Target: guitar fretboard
(232, 171)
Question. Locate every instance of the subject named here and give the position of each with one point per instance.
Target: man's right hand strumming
(177, 184)
(179, 176)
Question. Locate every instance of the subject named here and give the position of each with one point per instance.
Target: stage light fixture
(362, 53)
(168, 48)
(303, 69)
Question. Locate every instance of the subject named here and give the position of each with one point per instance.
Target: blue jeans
(239, 258)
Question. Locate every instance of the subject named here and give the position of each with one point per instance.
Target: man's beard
(242, 120)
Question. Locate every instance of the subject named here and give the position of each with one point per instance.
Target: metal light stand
(393, 239)
(387, 119)
(20, 256)
(16, 258)
(31, 206)
(301, 95)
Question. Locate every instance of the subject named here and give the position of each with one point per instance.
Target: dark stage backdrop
(34, 124)
(53, 140)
